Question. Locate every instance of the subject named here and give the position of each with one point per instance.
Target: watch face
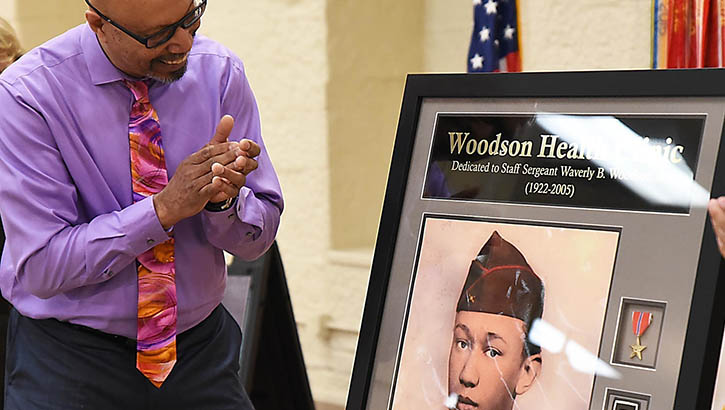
(620, 404)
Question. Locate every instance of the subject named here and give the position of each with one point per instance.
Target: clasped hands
(215, 173)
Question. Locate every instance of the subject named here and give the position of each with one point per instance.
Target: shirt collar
(101, 69)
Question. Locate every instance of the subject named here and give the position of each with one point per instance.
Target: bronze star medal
(637, 350)
(640, 323)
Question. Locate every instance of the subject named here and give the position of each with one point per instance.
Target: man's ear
(95, 22)
(530, 369)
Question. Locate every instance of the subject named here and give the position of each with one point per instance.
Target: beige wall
(447, 33)
(585, 34)
(37, 20)
(328, 76)
(372, 45)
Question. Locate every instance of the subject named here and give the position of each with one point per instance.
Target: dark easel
(271, 364)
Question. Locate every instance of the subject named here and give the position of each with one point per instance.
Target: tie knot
(139, 89)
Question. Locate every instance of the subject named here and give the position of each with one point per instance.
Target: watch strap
(221, 206)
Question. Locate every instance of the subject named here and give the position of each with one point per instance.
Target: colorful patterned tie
(156, 332)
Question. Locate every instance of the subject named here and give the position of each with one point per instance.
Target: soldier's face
(486, 362)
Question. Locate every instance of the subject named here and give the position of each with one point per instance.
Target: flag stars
(508, 32)
(493, 38)
(485, 34)
(491, 7)
(477, 62)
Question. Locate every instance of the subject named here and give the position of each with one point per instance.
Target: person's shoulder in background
(55, 52)
(10, 49)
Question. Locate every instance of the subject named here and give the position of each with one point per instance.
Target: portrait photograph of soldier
(478, 289)
(500, 300)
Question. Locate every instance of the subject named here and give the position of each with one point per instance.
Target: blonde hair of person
(9, 45)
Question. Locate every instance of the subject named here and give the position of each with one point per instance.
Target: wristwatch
(220, 206)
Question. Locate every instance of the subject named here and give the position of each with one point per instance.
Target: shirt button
(108, 272)
(150, 242)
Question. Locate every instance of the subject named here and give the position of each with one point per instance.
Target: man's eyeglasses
(165, 34)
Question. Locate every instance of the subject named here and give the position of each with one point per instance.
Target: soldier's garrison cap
(501, 282)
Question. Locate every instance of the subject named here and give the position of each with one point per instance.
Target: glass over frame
(617, 337)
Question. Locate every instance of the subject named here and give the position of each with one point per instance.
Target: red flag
(677, 34)
(688, 33)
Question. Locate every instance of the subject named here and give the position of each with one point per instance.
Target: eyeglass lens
(189, 21)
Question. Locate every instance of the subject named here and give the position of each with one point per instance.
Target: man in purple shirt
(74, 232)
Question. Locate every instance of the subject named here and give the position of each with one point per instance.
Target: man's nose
(469, 376)
(181, 41)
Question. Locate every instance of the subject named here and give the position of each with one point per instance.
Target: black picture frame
(707, 315)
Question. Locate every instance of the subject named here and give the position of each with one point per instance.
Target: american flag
(495, 39)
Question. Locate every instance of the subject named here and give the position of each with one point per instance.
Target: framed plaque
(544, 244)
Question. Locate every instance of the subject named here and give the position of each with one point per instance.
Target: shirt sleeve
(248, 229)
(51, 244)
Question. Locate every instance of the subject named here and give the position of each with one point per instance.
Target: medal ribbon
(640, 322)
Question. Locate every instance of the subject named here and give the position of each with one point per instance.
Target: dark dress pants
(56, 365)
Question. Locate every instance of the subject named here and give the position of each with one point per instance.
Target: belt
(122, 339)
(109, 336)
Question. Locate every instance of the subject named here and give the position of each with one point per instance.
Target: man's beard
(168, 78)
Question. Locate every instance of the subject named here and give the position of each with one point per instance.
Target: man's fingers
(237, 179)
(250, 147)
(217, 169)
(218, 189)
(209, 190)
(211, 151)
(717, 216)
(225, 186)
(245, 165)
(223, 130)
(721, 246)
(224, 158)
